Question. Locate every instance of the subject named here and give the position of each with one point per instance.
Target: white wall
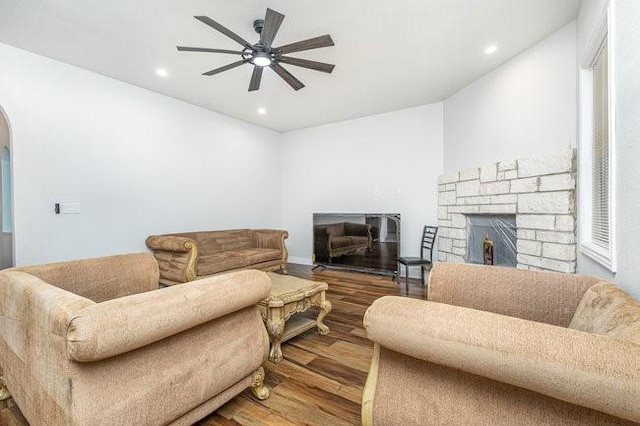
(524, 108)
(626, 64)
(387, 163)
(138, 163)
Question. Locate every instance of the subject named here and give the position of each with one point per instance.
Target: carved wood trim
(190, 273)
(258, 388)
(285, 253)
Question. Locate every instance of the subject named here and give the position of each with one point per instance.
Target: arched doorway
(6, 195)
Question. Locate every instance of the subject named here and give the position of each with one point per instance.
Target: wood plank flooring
(320, 380)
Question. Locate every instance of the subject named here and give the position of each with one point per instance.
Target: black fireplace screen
(491, 239)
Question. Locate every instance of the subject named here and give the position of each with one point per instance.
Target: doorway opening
(6, 195)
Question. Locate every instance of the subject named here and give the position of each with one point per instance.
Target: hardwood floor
(320, 379)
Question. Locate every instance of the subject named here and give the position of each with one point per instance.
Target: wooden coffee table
(290, 295)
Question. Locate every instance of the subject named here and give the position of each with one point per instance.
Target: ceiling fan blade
(304, 63)
(255, 78)
(312, 43)
(206, 49)
(226, 67)
(216, 26)
(272, 22)
(286, 76)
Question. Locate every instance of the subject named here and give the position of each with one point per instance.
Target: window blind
(600, 232)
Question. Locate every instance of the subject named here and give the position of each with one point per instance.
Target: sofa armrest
(357, 229)
(32, 310)
(176, 256)
(586, 369)
(273, 239)
(270, 238)
(122, 325)
(549, 297)
(169, 243)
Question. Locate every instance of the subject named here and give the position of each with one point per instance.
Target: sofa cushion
(607, 309)
(258, 255)
(217, 262)
(223, 241)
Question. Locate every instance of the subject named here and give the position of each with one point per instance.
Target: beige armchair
(95, 342)
(501, 346)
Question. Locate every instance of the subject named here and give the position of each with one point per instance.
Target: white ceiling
(389, 54)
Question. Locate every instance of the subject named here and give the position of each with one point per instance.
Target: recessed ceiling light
(491, 49)
(262, 111)
(162, 72)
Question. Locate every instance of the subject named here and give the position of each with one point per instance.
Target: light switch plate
(70, 208)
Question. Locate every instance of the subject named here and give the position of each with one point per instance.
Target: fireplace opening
(491, 240)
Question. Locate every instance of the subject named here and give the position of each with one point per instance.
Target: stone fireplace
(539, 192)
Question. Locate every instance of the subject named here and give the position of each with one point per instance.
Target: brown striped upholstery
(187, 256)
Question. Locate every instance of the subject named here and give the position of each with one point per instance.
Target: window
(597, 201)
(600, 231)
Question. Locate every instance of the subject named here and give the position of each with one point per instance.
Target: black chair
(428, 238)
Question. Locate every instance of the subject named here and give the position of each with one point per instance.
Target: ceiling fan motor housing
(258, 25)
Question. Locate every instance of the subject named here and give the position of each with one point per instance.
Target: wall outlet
(70, 208)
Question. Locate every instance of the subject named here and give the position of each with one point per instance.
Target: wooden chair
(428, 239)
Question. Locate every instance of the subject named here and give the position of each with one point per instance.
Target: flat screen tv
(367, 242)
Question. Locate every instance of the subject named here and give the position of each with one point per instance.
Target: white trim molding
(602, 33)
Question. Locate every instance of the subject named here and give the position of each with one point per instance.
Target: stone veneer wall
(539, 191)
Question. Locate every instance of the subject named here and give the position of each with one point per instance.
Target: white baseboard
(299, 260)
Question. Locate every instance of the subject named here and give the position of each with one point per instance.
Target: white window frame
(603, 33)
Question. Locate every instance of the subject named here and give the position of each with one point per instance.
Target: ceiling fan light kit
(262, 54)
(261, 59)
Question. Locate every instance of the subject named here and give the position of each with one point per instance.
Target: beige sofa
(339, 239)
(501, 346)
(184, 257)
(94, 342)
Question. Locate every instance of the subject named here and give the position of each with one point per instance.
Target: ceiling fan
(262, 54)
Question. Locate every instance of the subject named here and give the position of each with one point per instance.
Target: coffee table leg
(275, 327)
(325, 308)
